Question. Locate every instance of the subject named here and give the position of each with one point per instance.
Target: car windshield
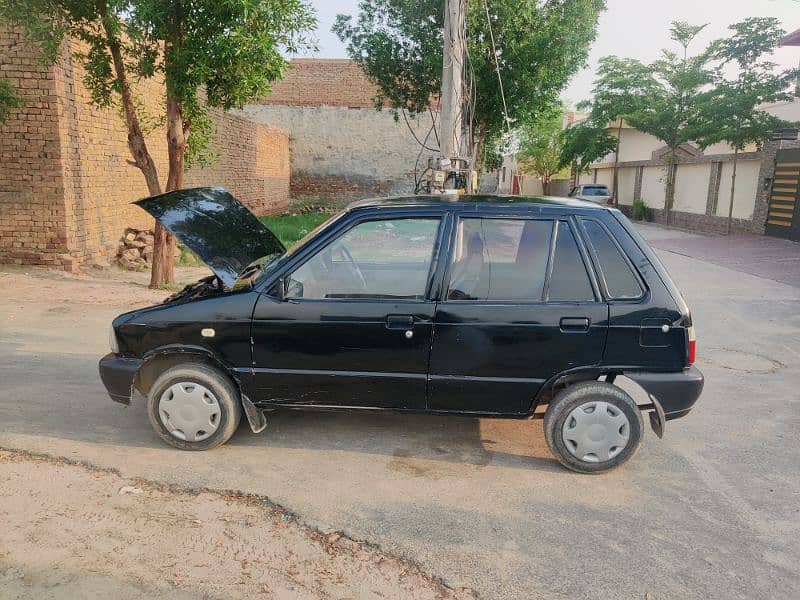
(266, 264)
(595, 190)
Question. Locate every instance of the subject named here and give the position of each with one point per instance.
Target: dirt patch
(71, 531)
(109, 287)
(744, 362)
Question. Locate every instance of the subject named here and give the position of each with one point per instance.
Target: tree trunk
(670, 191)
(615, 183)
(733, 188)
(163, 271)
(136, 142)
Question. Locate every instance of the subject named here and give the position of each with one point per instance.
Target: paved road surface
(711, 511)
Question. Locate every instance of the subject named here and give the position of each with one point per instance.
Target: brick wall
(99, 184)
(31, 179)
(323, 82)
(65, 183)
(341, 147)
(251, 162)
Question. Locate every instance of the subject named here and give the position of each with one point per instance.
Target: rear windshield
(595, 190)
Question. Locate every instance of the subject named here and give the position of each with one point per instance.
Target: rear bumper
(675, 392)
(117, 374)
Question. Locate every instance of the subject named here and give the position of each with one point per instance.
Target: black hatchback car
(488, 306)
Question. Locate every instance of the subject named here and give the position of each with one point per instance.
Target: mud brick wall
(341, 147)
(251, 161)
(65, 183)
(329, 82)
(31, 177)
(99, 184)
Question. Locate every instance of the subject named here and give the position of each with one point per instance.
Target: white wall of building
(626, 179)
(745, 192)
(789, 111)
(691, 188)
(605, 177)
(653, 186)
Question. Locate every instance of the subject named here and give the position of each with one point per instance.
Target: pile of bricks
(135, 249)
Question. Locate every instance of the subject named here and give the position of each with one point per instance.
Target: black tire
(224, 391)
(567, 400)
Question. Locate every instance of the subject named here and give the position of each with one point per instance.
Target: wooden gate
(783, 209)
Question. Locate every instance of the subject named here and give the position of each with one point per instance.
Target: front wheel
(194, 407)
(593, 427)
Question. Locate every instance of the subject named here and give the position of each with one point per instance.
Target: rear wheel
(593, 427)
(194, 407)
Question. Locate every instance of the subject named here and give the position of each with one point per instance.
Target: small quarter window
(620, 281)
(500, 259)
(569, 280)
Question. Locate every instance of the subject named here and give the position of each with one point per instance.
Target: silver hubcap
(189, 411)
(596, 431)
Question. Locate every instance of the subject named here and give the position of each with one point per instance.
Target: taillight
(692, 354)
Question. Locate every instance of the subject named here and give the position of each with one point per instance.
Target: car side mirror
(280, 290)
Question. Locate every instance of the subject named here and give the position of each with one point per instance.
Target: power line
(413, 133)
(497, 67)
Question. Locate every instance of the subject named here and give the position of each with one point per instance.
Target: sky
(628, 28)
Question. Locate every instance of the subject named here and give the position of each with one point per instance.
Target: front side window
(386, 259)
(500, 259)
(620, 281)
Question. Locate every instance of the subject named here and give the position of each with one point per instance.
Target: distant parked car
(592, 193)
(485, 306)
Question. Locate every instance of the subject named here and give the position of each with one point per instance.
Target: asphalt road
(710, 511)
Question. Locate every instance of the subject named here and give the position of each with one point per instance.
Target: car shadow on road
(60, 396)
(408, 438)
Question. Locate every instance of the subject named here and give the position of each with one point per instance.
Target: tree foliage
(731, 107)
(541, 144)
(540, 44)
(8, 100)
(228, 51)
(671, 90)
(585, 143)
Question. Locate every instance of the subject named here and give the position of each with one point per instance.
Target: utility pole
(450, 172)
(452, 78)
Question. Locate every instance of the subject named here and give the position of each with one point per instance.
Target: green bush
(641, 212)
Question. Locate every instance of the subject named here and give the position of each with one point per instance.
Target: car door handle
(574, 324)
(402, 322)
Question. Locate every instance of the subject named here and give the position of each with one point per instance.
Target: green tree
(229, 51)
(731, 110)
(8, 100)
(618, 90)
(541, 146)
(670, 97)
(584, 143)
(670, 92)
(398, 44)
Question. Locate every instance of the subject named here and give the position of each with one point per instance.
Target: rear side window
(569, 280)
(620, 281)
(500, 259)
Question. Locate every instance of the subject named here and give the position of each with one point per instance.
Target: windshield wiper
(257, 265)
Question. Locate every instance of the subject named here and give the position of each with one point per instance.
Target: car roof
(474, 201)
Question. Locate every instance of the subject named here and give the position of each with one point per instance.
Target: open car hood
(216, 227)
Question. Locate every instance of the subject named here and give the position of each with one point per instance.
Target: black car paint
(214, 225)
(487, 358)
